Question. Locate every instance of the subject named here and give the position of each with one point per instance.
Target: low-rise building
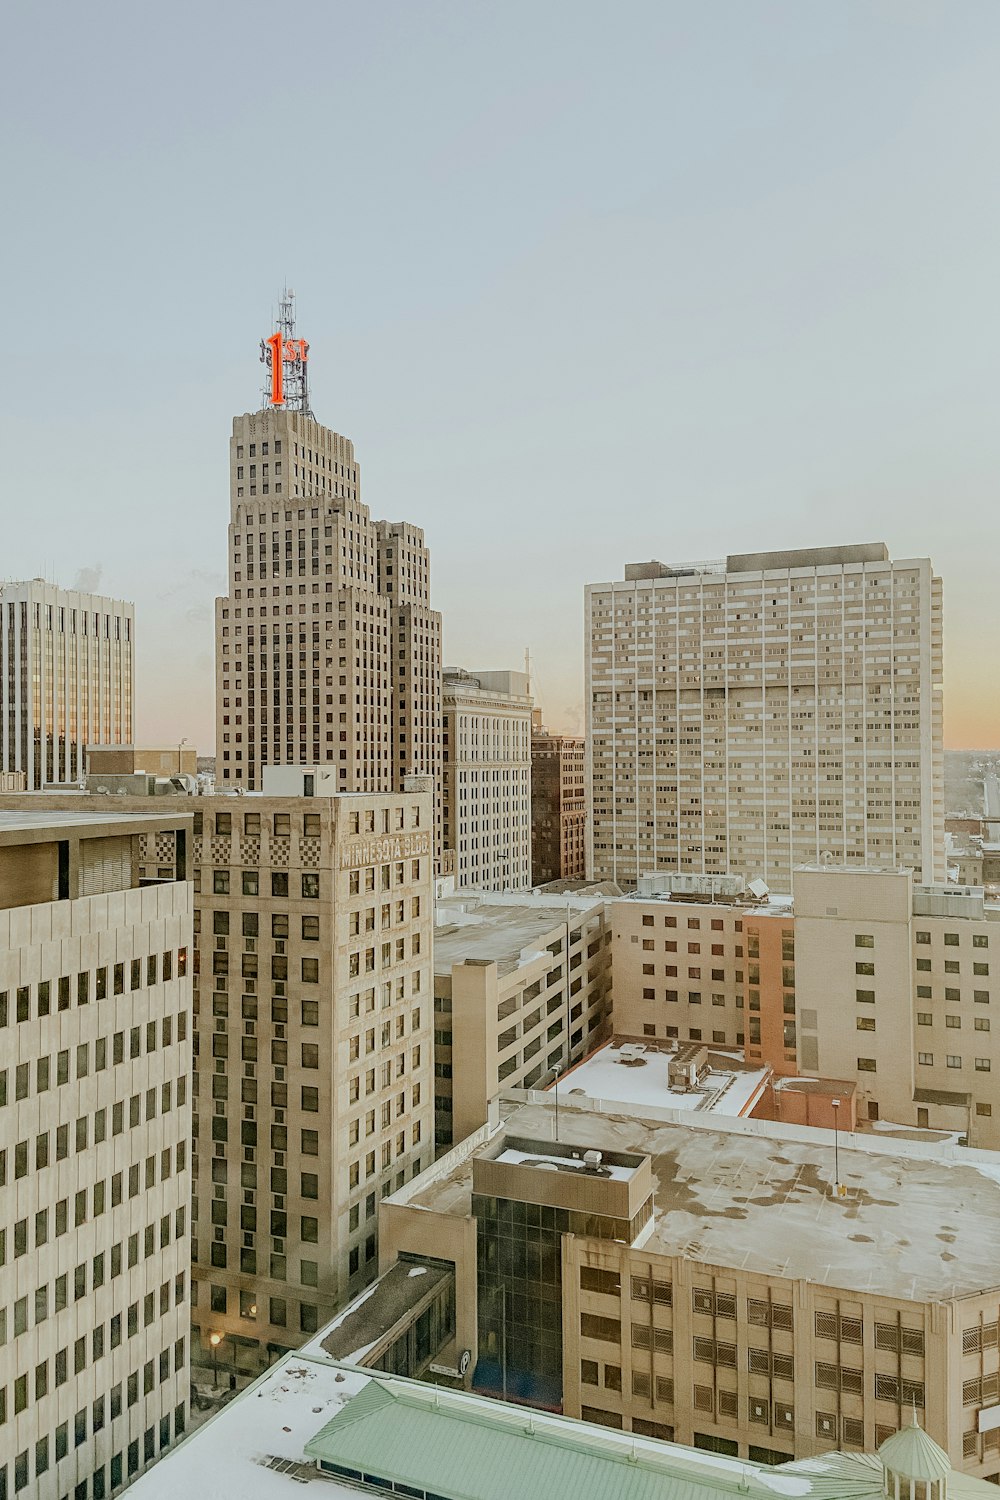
(829, 984)
(95, 1127)
(358, 1432)
(522, 987)
(744, 1287)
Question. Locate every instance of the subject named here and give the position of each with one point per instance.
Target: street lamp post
(215, 1339)
(835, 1106)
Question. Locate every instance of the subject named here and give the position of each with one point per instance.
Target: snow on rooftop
(274, 1418)
(554, 1163)
(643, 1080)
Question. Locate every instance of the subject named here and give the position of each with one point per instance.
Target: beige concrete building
(129, 760)
(864, 976)
(486, 800)
(327, 649)
(771, 710)
(522, 986)
(733, 1285)
(558, 805)
(314, 990)
(67, 662)
(313, 1075)
(313, 1071)
(95, 1126)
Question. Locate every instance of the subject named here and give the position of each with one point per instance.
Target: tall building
(67, 662)
(747, 1289)
(771, 710)
(327, 650)
(313, 1081)
(486, 801)
(558, 805)
(404, 566)
(95, 1126)
(314, 1084)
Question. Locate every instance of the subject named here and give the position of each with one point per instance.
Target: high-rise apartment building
(558, 805)
(771, 710)
(95, 1126)
(66, 670)
(486, 801)
(327, 649)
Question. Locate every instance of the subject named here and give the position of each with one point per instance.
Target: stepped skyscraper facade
(327, 649)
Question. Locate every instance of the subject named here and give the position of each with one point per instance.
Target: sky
(584, 283)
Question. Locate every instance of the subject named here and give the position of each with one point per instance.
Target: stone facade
(327, 649)
(487, 779)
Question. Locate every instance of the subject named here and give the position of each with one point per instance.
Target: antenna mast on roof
(286, 358)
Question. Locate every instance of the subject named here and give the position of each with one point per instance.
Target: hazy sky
(585, 283)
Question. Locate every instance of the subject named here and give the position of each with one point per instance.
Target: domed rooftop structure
(916, 1467)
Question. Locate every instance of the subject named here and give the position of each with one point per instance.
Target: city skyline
(542, 310)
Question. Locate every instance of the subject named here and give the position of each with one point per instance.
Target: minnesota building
(67, 662)
(95, 1127)
(313, 1087)
(771, 710)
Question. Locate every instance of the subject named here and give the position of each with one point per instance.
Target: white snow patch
(417, 1271)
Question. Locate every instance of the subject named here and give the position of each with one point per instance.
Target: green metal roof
(469, 1449)
(914, 1454)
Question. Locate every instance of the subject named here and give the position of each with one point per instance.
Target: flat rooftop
(501, 929)
(376, 1311)
(635, 1076)
(28, 825)
(462, 1447)
(919, 1221)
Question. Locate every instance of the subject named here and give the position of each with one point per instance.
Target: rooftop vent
(592, 1161)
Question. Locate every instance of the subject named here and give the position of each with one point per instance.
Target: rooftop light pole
(835, 1106)
(556, 1071)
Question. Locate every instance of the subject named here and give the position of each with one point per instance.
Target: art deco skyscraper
(66, 669)
(327, 650)
(771, 710)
